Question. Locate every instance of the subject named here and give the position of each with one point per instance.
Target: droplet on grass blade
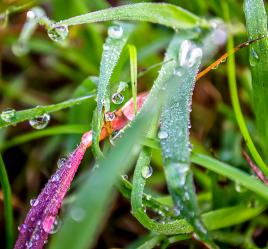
(77, 214)
(61, 162)
(109, 116)
(146, 172)
(115, 31)
(117, 98)
(8, 115)
(34, 202)
(58, 33)
(162, 135)
(40, 122)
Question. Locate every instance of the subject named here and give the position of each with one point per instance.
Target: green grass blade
(133, 73)
(161, 13)
(28, 114)
(8, 210)
(55, 130)
(174, 136)
(235, 102)
(232, 173)
(256, 21)
(111, 52)
(151, 242)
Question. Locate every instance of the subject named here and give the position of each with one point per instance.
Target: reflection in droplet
(147, 171)
(58, 33)
(115, 31)
(40, 122)
(117, 98)
(8, 115)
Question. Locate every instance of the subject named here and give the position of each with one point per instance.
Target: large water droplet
(34, 202)
(196, 54)
(109, 116)
(58, 33)
(117, 98)
(40, 122)
(183, 52)
(8, 115)
(147, 171)
(115, 31)
(77, 214)
(162, 135)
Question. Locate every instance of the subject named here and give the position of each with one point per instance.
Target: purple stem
(34, 231)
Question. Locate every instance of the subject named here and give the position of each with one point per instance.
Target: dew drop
(34, 202)
(55, 178)
(8, 115)
(22, 228)
(122, 86)
(115, 31)
(36, 237)
(77, 214)
(40, 122)
(239, 188)
(184, 50)
(28, 244)
(117, 98)
(56, 226)
(124, 177)
(162, 135)
(254, 57)
(58, 33)
(61, 162)
(146, 172)
(109, 116)
(106, 46)
(196, 54)
(34, 13)
(114, 135)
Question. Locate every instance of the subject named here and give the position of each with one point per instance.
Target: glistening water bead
(115, 31)
(8, 115)
(109, 116)
(58, 33)
(147, 171)
(162, 134)
(117, 98)
(40, 122)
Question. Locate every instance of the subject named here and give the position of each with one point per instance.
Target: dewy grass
(130, 108)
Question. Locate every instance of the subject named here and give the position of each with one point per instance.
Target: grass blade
(8, 210)
(235, 101)
(28, 114)
(111, 52)
(256, 21)
(161, 13)
(174, 136)
(133, 72)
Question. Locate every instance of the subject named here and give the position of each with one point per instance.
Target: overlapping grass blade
(111, 52)
(28, 114)
(256, 21)
(161, 13)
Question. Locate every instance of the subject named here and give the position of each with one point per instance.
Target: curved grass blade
(161, 13)
(8, 210)
(118, 35)
(28, 114)
(174, 136)
(258, 58)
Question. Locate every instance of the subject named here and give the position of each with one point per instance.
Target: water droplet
(34, 202)
(125, 177)
(22, 228)
(122, 86)
(34, 13)
(147, 171)
(20, 49)
(8, 115)
(40, 122)
(77, 214)
(30, 15)
(36, 237)
(114, 135)
(178, 72)
(253, 58)
(28, 244)
(162, 135)
(106, 46)
(58, 33)
(61, 162)
(239, 188)
(196, 54)
(115, 31)
(183, 52)
(55, 178)
(56, 226)
(109, 116)
(117, 98)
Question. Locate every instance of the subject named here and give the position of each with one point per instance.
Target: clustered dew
(40, 122)
(8, 115)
